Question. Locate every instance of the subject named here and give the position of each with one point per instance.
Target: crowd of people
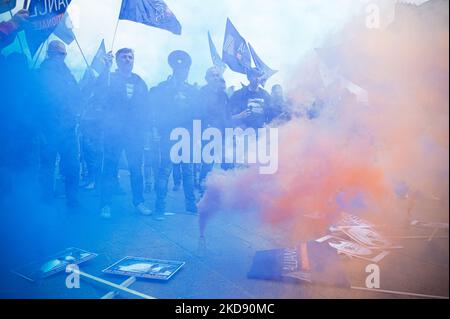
(51, 122)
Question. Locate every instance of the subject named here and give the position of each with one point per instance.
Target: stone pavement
(215, 270)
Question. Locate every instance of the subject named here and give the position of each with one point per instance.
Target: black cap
(179, 59)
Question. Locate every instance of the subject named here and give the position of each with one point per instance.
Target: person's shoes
(176, 187)
(192, 210)
(143, 210)
(159, 217)
(105, 212)
(90, 186)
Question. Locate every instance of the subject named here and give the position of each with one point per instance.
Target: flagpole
(39, 53)
(115, 34)
(81, 51)
(124, 3)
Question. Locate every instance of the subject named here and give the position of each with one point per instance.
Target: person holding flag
(59, 98)
(124, 100)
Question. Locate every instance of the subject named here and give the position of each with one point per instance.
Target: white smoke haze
(280, 31)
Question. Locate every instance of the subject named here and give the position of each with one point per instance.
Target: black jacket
(258, 102)
(58, 97)
(214, 108)
(175, 105)
(124, 104)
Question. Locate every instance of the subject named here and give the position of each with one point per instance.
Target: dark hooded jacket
(58, 97)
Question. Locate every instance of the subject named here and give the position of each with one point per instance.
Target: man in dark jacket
(250, 105)
(125, 113)
(214, 107)
(58, 96)
(176, 106)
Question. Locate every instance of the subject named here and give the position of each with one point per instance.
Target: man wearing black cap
(124, 98)
(58, 109)
(249, 106)
(175, 103)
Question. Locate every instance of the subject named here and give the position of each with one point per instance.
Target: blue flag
(97, 63)
(64, 30)
(154, 13)
(45, 16)
(87, 79)
(7, 5)
(217, 60)
(261, 66)
(235, 50)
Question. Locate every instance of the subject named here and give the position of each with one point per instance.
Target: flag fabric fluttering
(261, 66)
(64, 30)
(235, 50)
(44, 19)
(329, 70)
(87, 79)
(97, 63)
(216, 59)
(154, 13)
(7, 5)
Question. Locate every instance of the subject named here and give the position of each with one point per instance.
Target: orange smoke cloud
(401, 136)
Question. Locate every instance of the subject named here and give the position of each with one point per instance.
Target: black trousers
(114, 144)
(186, 175)
(65, 144)
(91, 150)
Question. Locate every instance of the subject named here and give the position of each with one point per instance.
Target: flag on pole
(7, 5)
(87, 79)
(97, 63)
(64, 30)
(216, 59)
(44, 18)
(261, 66)
(154, 13)
(235, 50)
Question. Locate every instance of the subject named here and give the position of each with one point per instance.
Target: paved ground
(215, 271)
